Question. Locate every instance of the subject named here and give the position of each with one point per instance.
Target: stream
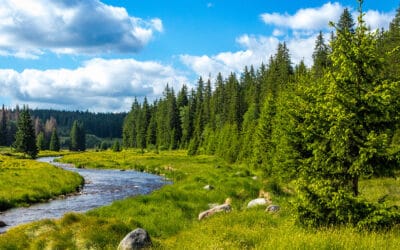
(101, 187)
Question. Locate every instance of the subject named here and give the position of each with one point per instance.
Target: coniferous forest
(326, 126)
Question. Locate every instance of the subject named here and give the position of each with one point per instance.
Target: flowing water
(101, 188)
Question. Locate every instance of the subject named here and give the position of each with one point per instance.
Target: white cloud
(71, 26)
(306, 19)
(315, 19)
(256, 50)
(377, 20)
(98, 85)
(299, 31)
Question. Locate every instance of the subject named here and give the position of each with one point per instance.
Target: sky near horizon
(99, 55)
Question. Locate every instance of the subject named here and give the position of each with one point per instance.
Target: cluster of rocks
(139, 238)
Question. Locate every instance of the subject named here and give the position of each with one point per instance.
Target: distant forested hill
(104, 125)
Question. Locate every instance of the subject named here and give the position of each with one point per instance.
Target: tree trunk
(355, 185)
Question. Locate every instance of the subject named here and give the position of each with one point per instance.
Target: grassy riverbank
(24, 182)
(170, 214)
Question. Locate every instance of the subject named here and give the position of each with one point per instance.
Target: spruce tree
(347, 128)
(346, 23)
(116, 147)
(320, 56)
(40, 141)
(3, 127)
(25, 140)
(77, 137)
(391, 48)
(54, 141)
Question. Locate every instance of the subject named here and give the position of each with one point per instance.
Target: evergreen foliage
(77, 137)
(3, 127)
(347, 124)
(116, 147)
(40, 141)
(326, 127)
(25, 139)
(54, 141)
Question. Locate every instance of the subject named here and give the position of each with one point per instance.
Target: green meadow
(170, 213)
(23, 182)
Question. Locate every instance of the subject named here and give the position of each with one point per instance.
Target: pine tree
(3, 127)
(262, 138)
(77, 137)
(345, 23)
(25, 140)
(391, 48)
(347, 128)
(320, 56)
(40, 141)
(116, 147)
(54, 141)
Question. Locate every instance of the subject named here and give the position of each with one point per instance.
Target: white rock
(257, 202)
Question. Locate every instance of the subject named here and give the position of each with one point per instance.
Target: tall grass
(24, 182)
(170, 214)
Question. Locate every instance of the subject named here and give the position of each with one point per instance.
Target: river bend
(101, 188)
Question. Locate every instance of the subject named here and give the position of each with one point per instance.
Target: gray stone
(2, 224)
(273, 208)
(208, 187)
(137, 239)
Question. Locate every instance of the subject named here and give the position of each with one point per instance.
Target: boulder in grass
(208, 187)
(219, 208)
(137, 239)
(258, 202)
(273, 208)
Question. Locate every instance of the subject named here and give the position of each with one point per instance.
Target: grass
(23, 182)
(170, 214)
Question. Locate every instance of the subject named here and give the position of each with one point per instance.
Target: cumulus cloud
(71, 26)
(256, 50)
(315, 19)
(377, 20)
(98, 85)
(299, 31)
(306, 19)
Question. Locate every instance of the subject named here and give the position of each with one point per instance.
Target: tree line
(102, 125)
(326, 127)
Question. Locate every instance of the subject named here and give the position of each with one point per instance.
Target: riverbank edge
(6, 205)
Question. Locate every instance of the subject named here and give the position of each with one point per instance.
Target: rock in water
(2, 224)
(137, 239)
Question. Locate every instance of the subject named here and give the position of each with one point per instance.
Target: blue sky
(99, 55)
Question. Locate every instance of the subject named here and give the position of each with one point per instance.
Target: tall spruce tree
(347, 128)
(25, 140)
(41, 141)
(320, 56)
(54, 141)
(77, 137)
(3, 127)
(391, 48)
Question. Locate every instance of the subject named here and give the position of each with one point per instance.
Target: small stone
(2, 224)
(208, 187)
(273, 208)
(137, 239)
(254, 178)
